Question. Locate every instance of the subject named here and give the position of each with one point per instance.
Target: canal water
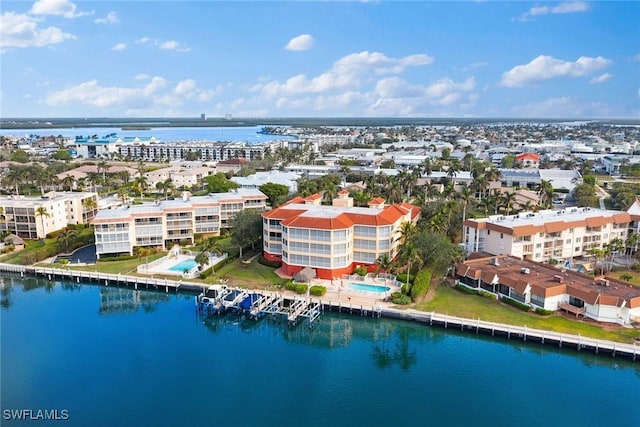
(114, 356)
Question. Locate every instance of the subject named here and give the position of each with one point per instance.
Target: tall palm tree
(545, 191)
(140, 184)
(67, 182)
(507, 201)
(90, 205)
(42, 212)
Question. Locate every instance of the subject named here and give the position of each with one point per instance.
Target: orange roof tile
(315, 196)
(621, 218)
(597, 221)
(555, 226)
(527, 230)
(339, 222)
(376, 201)
(282, 213)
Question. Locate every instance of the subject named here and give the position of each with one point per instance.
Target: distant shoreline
(45, 123)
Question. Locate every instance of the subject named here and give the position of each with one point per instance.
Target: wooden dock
(275, 303)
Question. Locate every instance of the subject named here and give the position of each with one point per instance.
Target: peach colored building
(335, 239)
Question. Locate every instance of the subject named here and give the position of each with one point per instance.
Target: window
(501, 235)
(538, 245)
(537, 300)
(568, 241)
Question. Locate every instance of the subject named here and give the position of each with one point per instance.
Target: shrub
(400, 298)
(543, 312)
(318, 291)
(360, 271)
(405, 289)
(421, 284)
(300, 288)
(63, 261)
(516, 304)
(403, 277)
(274, 264)
(290, 286)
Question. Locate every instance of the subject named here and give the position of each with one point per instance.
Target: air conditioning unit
(525, 270)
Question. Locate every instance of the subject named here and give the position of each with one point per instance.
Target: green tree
(276, 193)
(219, 183)
(62, 155)
(247, 229)
(19, 156)
(66, 238)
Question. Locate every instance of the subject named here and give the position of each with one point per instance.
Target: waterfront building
(335, 239)
(601, 298)
(203, 150)
(165, 222)
(541, 236)
(23, 216)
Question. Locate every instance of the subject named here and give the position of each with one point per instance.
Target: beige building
(545, 235)
(20, 214)
(166, 222)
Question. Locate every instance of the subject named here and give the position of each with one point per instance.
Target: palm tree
(42, 212)
(507, 199)
(409, 254)
(203, 259)
(545, 191)
(123, 193)
(90, 205)
(67, 182)
(140, 184)
(66, 237)
(104, 167)
(384, 263)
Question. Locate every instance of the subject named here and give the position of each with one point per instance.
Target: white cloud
(63, 8)
(19, 30)
(173, 45)
(111, 18)
(119, 46)
(347, 72)
(546, 67)
(301, 42)
(153, 95)
(167, 45)
(601, 78)
(561, 8)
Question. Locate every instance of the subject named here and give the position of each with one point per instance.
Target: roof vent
(495, 261)
(525, 270)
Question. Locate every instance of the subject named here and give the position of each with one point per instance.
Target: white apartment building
(545, 235)
(20, 215)
(165, 222)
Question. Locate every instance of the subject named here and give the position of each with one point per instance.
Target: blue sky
(320, 59)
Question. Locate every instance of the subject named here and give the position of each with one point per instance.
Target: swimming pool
(368, 288)
(187, 264)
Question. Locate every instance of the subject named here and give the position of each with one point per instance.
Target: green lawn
(252, 275)
(454, 303)
(635, 277)
(124, 267)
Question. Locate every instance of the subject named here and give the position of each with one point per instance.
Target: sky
(320, 59)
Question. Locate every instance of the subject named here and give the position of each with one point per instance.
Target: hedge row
(299, 288)
(543, 312)
(516, 304)
(469, 291)
(273, 264)
(421, 284)
(117, 258)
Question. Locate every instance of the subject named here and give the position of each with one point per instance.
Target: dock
(217, 299)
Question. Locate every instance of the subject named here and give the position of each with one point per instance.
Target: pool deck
(164, 266)
(338, 290)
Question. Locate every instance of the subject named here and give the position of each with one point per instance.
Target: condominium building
(35, 217)
(166, 222)
(334, 239)
(604, 299)
(205, 150)
(545, 235)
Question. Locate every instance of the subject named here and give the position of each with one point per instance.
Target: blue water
(368, 288)
(118, 357)
(187, 264)
(164, 134)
